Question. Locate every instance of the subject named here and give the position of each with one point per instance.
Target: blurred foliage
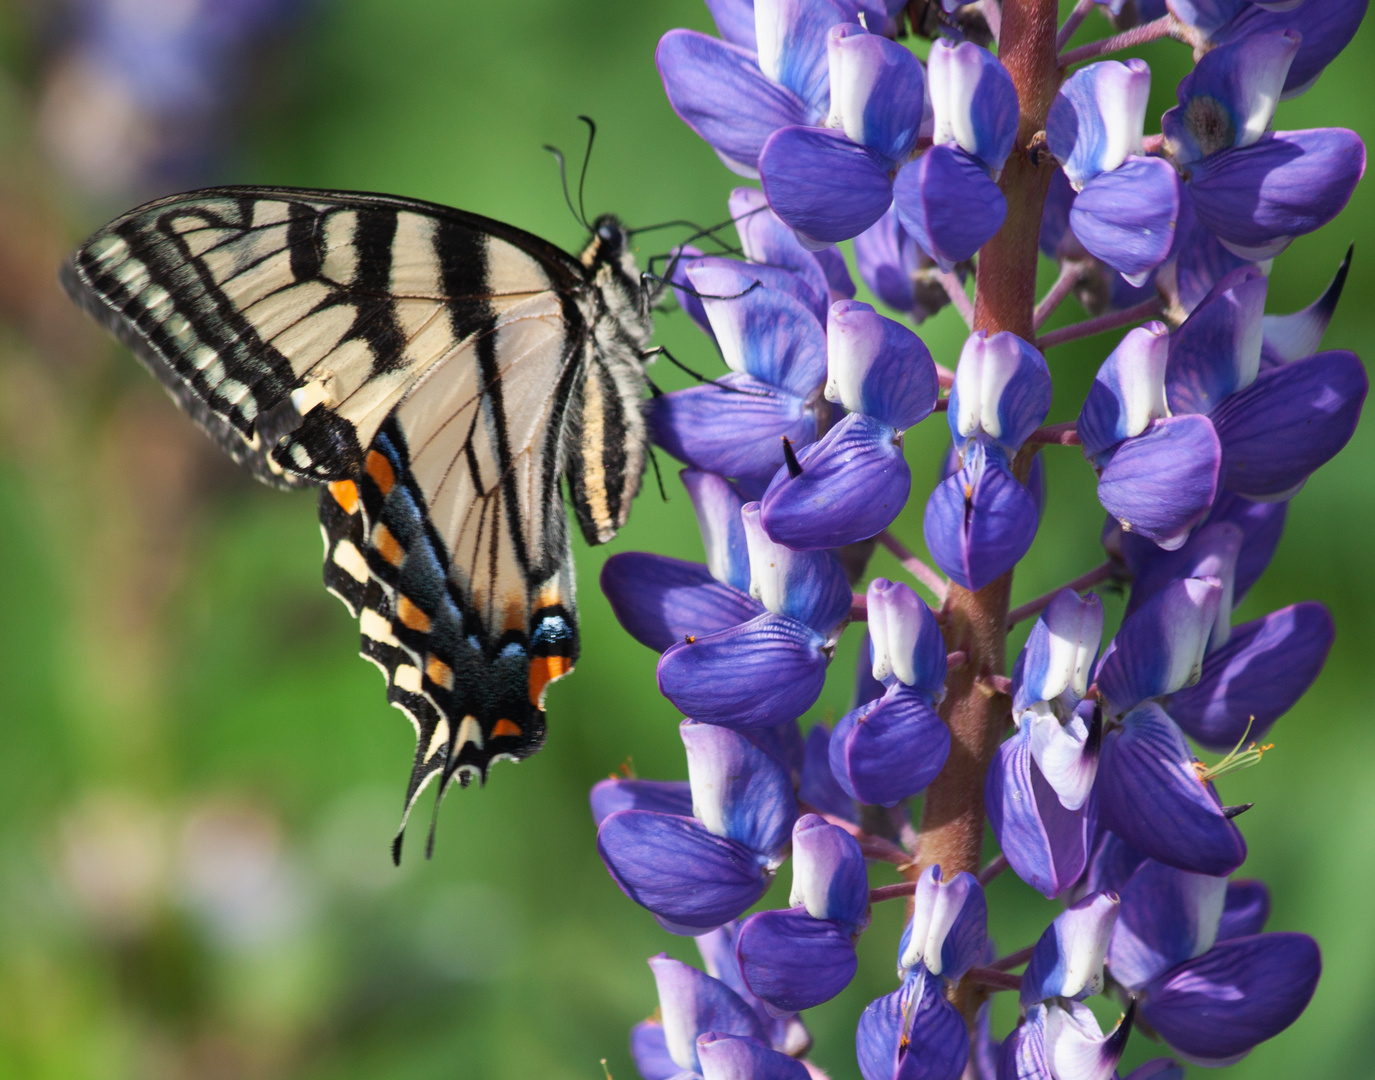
(199, 779)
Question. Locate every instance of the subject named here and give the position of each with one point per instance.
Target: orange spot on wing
(345, 493)
(412, 617)
(549, 596)
(505, 727)
(387, 545)
(379, 468)
(543, 671)
(440, 673)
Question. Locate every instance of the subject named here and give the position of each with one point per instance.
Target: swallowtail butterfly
(438, 374)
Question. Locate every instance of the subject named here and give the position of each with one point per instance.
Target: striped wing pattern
(437, 373)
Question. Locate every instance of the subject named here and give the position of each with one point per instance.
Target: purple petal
(830, 880)
(906, 640)
(1066, 751)
(734, 21)
(769, 243)
(878, 91)
(1068, 958)
(1055, 240)
(980, 522)
(730, 1058)
(1293, 337)
(809, 586)
(1292, 182)
(624, 793)
(867, 688)
(761, 331)
(974, 102)
(791, 36)
(678, 870)
(1162, 483)
(948, 204)
(1200, 261)
(739, 791)
(878, 367)
(853, 483)
(947, 933)
(890, 749)
(1097, 118)
(1127, 217)
(718, 91)
(1228, 100)
(683, 291)
(693, 1003)
(1045, 844)
(1111, 864)
(731, 427)
(1253, 680)
(1150, 795)
(1128, 393)
(659, 600)
(822, 184)
(1075, 1045)
(1211, 552)
(1061, 649)
(914, 1033)
(1326, 28)
(801, 286)
(761, 673)
(897, 270)
(1167, 916)
(1160, 647)
(1242, 992)
(1002, 389)
(819, 789)
(832, 263)
(1217, 350)
(649, 1049)
(1289, 422)
(1246, 911)
(717, 503)
(793, 961)
(1023, 1054)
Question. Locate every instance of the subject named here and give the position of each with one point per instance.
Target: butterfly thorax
(624, 301)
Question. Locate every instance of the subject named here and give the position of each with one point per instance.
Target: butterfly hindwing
(439, 374)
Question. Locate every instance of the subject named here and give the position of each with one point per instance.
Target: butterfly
(439, 375)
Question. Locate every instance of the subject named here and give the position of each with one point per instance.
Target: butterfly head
(610, 262)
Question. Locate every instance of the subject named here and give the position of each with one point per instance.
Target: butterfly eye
(608, 233)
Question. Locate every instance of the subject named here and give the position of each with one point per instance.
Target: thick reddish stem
(952, 821)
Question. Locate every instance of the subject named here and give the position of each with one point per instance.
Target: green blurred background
(198, 777)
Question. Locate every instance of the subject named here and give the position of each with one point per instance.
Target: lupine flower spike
(1205, 419)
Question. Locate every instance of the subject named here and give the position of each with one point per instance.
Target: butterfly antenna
(659, 350)
(654, 460)
(586, 160)
(563, 180)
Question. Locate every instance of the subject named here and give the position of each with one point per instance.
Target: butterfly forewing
(438, 373)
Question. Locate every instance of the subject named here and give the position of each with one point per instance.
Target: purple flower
(1211, 996)
(805, 955)
(890, 747)
(696, 873)
(1256, 189)
(851, 484)
(981, 520)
